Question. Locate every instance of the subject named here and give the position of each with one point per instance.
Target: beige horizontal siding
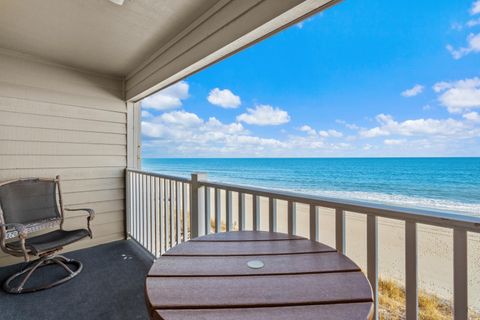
(54, 96)
(58, 121)
(60, 148)
(52, 161)
(59, 110)
(100, 207)
(93, 196)
(65, 173)
(24, 71)
(12, 133)
(54, 122)
(92, 184)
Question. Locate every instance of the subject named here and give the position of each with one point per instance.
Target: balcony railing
(163, 211)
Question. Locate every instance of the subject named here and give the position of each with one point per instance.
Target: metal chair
(26, 207)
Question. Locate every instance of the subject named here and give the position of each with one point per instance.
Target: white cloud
(459, 96)
(350, 126)
(415, 90)
(431, 127)
(184, 125)
(475, 8)
(180, 118)
(180, 132)
(473, 46)
(168, 98)
(472, 116)
(473, 22)
(264, 115)
(394, 142)
(322, 133)
(367, 147)
(146, 114)
(309, 130)
(224, 98)
(456, 26)
(330, 133)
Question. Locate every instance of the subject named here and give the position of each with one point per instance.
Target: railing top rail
(158, 175)
(431, 217)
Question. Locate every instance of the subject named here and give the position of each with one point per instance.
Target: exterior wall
(57, 120)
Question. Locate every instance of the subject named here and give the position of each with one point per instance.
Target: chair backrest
(29, 200)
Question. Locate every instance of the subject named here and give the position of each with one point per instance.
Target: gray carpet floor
(111, 286)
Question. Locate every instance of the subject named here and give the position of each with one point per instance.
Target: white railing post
(208, 210)
(163, 215)
(178, 207)
(197, 205)
(185, 210)
(128, 198)
(460, 275)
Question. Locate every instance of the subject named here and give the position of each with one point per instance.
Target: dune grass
(431, 307)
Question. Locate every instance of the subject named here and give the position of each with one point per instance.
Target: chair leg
(39, 263)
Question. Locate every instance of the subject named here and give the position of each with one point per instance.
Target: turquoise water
(451, 184)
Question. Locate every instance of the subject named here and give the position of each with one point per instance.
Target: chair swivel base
(39, 263)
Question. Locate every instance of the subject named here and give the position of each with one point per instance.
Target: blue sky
(364, 78)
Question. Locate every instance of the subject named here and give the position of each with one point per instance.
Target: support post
(372, 259)
(411, 271)
(340, 230)
(460, 274)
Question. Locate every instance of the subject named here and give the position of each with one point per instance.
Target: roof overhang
(148, 43)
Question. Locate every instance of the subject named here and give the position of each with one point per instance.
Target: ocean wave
(401, 200)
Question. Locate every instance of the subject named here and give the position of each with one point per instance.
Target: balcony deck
(111, 286)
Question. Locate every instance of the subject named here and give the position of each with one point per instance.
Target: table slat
(237, 265)
(353, 311)
(258, 291)
(247, 236)
(256, 248)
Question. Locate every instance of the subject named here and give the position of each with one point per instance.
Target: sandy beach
(435, 254)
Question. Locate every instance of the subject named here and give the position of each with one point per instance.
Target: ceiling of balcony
(95, 34)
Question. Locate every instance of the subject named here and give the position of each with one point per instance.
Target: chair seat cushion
(50, 241)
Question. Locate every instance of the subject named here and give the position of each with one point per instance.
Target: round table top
(256, 275)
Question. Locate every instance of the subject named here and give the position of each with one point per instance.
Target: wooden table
(208, 278)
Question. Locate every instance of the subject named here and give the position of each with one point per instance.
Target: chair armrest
(91, 212)
(20, 228)
(22, 231)
(91, 215)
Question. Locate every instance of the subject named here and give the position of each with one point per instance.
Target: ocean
(445, 184)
